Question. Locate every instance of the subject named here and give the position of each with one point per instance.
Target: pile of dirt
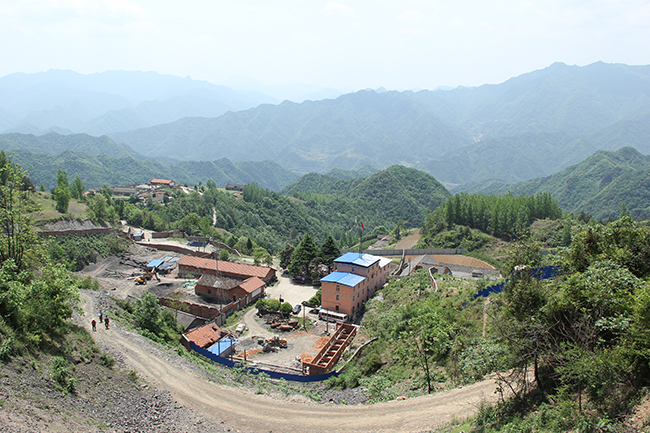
(103, 400)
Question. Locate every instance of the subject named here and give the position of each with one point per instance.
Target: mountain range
(491, 137)
(529, 126)
(69, 102)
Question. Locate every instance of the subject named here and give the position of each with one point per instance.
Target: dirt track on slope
(244, 411)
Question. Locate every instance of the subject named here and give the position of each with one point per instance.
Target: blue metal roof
(363, 260)
(344, 278)
(155, 263)
(221, 346)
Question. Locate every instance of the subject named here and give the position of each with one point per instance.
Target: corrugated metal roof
(155, 263)
(344, 278)
(363, 260)
(383, 261)
(226, 267)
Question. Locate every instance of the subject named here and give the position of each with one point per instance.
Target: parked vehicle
(299, 279)
(297, 308)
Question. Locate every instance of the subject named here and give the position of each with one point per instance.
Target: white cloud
(338, 9)
(411, 16)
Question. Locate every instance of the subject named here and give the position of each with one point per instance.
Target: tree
(18, 236)
(97, 208)
(286, 309)
(285, 256)
(303, 256)
(329, 252)
(224, 255)
(61, 193)
(77, 188)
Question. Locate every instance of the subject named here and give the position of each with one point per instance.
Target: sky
(396, 44)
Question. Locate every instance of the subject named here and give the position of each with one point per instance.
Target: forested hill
(53, 143)
(100, 161)
(397, 193)
(364, 128)
(598, 186)
(529, 126)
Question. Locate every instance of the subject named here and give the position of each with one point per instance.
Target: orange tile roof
(230, 268)
(205, 335)
(167, 181)
(252, 284)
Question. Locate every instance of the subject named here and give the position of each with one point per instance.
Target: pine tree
(303, 256)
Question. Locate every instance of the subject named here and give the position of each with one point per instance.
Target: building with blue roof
(356, 278)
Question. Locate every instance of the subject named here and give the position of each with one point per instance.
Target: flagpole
(360, 238)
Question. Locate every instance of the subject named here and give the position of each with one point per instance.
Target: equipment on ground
(142, 279)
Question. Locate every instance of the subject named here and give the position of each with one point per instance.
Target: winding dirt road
(245, 411)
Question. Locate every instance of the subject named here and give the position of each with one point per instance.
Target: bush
(286, 309)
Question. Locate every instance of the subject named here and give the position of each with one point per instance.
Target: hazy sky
(343, 44)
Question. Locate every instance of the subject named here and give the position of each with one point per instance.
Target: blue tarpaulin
(155, 263)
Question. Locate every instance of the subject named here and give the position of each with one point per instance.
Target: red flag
(362, 226)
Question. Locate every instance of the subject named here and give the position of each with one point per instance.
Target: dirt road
(245, 411)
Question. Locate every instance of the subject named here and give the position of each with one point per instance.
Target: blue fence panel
(273, 374)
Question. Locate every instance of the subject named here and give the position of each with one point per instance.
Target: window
(209, 292)
(338, 288)
(337, 297)
(337, 308)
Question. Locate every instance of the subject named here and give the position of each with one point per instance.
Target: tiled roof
(252, 284)
(226, 267)
(205, 335)
(362, 260)
(344, 278)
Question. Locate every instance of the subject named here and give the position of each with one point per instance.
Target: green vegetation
(87, 157)
(76, 252)
(572, 351)
(388, 196)
(598, 186)
(505, 217)
(37, 296)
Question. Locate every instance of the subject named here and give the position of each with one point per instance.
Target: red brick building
(198, 266)
(355, 279)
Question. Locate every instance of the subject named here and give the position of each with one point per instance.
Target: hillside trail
(245, 411)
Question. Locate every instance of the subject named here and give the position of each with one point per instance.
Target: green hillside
(397, 193)
(599, 185)
(99, 170)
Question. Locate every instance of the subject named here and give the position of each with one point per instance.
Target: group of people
(102, 319)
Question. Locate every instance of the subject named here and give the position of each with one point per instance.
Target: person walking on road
(106, 322)
(101, 315)
(94, 325)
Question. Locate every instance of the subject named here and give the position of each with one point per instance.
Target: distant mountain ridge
(110, 101)
(99, 161)
(529, 126)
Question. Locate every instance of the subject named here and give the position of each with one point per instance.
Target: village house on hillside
(163, 182)
(224, 282)
(198, 266)
(356, 278)
(234, 187)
